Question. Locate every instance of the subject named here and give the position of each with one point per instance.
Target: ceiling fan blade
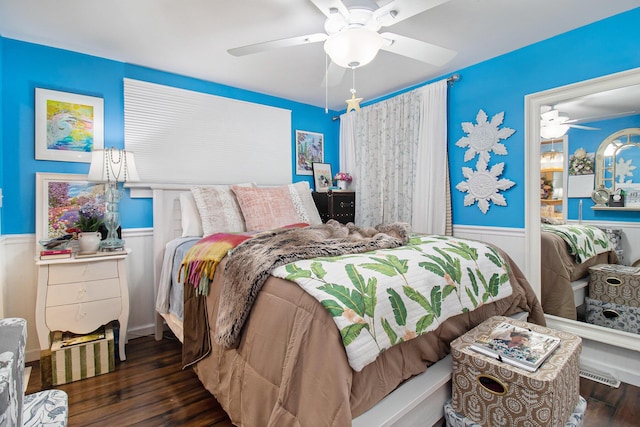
(403, 9)
(550, 115)
(416, 49)
(325, 7)
(602, 117)
(583, 127)
(334, 75)
(277, 44)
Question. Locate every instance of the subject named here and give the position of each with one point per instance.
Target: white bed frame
(418, 401)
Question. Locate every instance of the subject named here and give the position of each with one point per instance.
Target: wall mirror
(604, 87)
(618, 160)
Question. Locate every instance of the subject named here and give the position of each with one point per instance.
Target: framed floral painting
(60, 198)
(309, 149)
(68, 126)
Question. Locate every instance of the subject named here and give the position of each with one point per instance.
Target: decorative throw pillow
(190, 217)
(218, 208)
(266, 208)
(304, 204)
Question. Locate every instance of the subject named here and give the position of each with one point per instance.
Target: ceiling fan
(554, 124)
(352, 38)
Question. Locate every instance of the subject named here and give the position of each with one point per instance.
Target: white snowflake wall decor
(483, 185)
(484, 137)
(623, 170)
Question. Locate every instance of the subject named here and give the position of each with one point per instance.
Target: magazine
(69, 339)
(517, 346)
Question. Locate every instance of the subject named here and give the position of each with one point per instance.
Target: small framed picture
(309, 149)
(68, 126)
(322, 176)
(59, 198)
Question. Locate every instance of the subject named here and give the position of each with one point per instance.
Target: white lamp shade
(113, 165)
(353, 47)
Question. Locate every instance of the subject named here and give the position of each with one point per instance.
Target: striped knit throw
(200, 262)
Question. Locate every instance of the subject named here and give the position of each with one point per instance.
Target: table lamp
(112, 166)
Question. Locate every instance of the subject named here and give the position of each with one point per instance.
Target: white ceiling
(191, 37)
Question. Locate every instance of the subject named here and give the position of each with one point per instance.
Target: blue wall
(500, 85)
(29, 66)
(497, 85)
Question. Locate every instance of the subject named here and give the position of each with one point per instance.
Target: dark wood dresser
(336, 204)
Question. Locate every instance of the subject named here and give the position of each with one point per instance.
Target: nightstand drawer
(94, 290)
(84, 317)
(84, 271)
(338, 205)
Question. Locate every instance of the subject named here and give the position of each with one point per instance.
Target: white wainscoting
(510, 240)
(3, 279)
(19, 276)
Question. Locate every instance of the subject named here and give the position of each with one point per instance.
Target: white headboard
(167, 225)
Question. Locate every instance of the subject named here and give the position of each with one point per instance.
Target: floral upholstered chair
(46, 408)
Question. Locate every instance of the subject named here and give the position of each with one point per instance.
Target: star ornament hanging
(484, 137)
(483, 185)
(353, 103)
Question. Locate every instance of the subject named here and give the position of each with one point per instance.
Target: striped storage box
(66, 363)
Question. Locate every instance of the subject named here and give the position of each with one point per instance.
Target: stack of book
(55, 253)
(517, 346)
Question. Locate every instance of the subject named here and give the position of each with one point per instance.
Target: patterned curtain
(397, 152)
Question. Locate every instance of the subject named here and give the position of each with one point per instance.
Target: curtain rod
(450, 80)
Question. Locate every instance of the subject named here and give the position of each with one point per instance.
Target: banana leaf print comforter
(583, 241)
(381, 298)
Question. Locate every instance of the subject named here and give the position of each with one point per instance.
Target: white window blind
(183, 136)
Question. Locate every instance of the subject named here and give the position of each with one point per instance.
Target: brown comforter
(291, 369)
(558, 269)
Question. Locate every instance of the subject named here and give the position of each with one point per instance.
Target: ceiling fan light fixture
(353, 47)
(553, 131)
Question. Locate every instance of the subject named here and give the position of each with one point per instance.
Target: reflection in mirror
(617, 160)
(552, 179)
(595, 109)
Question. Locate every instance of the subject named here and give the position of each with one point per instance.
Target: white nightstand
(81, 294)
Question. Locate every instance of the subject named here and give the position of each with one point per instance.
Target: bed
(564, 278)
(291, 368)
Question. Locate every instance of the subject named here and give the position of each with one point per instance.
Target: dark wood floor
(150, 389)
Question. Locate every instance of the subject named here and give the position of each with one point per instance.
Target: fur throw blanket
(250, 263)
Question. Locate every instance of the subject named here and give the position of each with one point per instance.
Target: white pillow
(304, 204)
(191, 222)
(219, 209)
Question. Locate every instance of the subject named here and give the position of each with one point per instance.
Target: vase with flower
(343, 179)
(87, 227)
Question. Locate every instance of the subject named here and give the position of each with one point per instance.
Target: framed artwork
(322, 176)
(59, 198)
(68, 126)
(309, 149)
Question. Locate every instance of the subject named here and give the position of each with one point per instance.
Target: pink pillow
(266, 208)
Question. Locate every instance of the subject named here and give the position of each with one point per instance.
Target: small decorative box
(615, 283)
(494, 393)
(66, 363)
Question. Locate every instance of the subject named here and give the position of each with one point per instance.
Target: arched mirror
(565, 97)
(618, 161)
